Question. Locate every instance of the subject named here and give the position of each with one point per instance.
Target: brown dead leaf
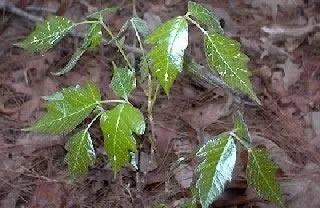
(184, 175)
(292, 73)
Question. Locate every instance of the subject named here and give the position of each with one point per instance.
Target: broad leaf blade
(261, 175)
(99, 15)
(80, 154)
(65, 114)
(241, 128)
(123, 82)
(224, 56)
(118, 126)
(218, 160)
(204, 17)
(170, 41)
(47, 34)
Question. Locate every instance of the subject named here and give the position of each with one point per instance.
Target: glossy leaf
(123, 82)
(170, 41)
(65, 114)
(261, 175)
(99, 15)
(240, 128)
(117, 126)
(80, 154)
(218, 160)
(204, 17)
(224, 56)
(93, 37)
(47, 34)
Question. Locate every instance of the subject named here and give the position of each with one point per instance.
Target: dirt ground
(282, 39)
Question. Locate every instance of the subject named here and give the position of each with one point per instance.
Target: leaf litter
(298, 79)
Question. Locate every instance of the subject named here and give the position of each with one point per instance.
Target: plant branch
(117, 44)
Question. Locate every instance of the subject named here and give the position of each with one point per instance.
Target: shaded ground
(282, 40)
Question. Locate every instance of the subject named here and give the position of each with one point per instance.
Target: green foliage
(117, 126)
(47, 34)
(165, 60)
(123, 82)
(240, 128)
(65, 113)
(218, 160)
(204, 17)
(80, 154)
(170, 40)
(224, 56)
(261, 175)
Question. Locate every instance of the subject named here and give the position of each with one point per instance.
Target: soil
(282, 40)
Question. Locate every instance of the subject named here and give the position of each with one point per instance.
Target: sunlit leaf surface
(261, 175)
(224, 56)
(80, 154)
(123, 82)
(64, 114)
(169, 42)
(218, 160)
(47, 34)
(117, 126)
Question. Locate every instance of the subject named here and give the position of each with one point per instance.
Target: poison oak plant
(120, 120)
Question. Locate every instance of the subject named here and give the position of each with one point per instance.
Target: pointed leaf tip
(261, 175)
(170, 40)
(218, 158)
(117, 126)
(47, 34)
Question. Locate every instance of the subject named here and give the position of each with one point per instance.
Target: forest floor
(282, 40)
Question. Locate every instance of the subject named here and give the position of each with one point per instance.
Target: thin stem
(245, 144)
(117, 44)
(196, 24)
(112, 101)
(92, 121)
(87, 22)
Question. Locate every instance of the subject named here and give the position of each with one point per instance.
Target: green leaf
(123, 82)
(118, 126)
(204, 17)
(140, 27)
(65, 114)
(241, 128)
(99, 15)
(47, 34)
(94, 36)
(92, 40)
(218, 160)
(225, 57)
(261, 175)
(170, 40)
(80, 154)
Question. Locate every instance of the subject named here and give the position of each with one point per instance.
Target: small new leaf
(224, 56)
(117, 126)
(123, 82)
(65, 113)
(140, 26)
(80, 154)
(261, 175)
(204, 17)
(170, 41)
(47, 34)
(240, 127)
(218, 160)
